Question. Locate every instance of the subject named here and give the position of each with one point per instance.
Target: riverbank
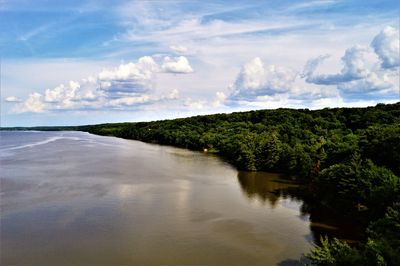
(348, 157)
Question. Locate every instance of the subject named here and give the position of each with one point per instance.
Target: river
(72, 198)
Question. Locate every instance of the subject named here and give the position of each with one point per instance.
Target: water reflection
(267, 187)
(127, 202)
(274, 189)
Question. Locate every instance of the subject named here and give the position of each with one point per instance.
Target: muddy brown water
(72, 198)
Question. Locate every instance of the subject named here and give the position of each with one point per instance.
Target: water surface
(71, 198)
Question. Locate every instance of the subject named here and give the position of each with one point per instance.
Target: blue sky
(84, 62)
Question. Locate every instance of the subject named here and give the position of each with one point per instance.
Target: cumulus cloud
(34, 104)
(131, 77)
(386, 46)
(366, 72)
(195, 104)
(375, 84)
(259, 86)
(128, 85)
(176, 65)
(61, 92)
(12, 99)
(220, 98)
(354, 67)
(143, 69)
(256, 80)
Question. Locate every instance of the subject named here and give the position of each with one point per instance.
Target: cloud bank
(368, 72)
(126, 86)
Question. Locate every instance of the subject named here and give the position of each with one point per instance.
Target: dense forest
(348, 159)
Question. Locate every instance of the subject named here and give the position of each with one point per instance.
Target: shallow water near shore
(72, 198)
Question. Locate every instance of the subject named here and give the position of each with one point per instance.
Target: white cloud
(269, 86)
(12, 99)
(386, 46)
(222, 44)
(130, 77)
(143, 69)
(252, 75)
(220, 98)
(367, 73)
(195, 104)
(129, 101)
(34, 103)
(360, 78)
(219, 38)
(128, 85)
(90, 90)
(354, 67)
(176, 65)
(61, 92)
(256, 80)
(376, 84)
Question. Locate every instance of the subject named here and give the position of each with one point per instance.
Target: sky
(87, 62)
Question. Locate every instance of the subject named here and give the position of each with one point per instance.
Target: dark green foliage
(268, 151)
(285, 140)
(384, 242)
(382, 144)
(358, 187)
(335, 252)
(381, 248)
